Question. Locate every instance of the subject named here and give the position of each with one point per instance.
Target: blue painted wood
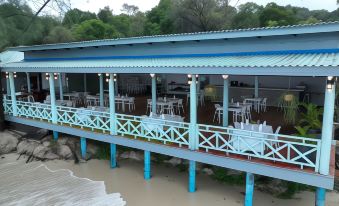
(225, 102)
(320, 197)
(61, 89)
(314, 179)
(249, 189)
(154, 94)
(13, 96)
(28, 82)
(101, 89)
(112, 115)
(55, 135)
(147, 165)
(113, 155)
(191, 176)
(327, 131)
(83, 146)
(256, 86)
(193, 114)
(8, 88)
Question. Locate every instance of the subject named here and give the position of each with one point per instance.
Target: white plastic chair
(263, 104)
(218, 112)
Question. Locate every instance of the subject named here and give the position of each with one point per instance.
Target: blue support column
(249, 189)
(256, 86)
(83, 147)
(8, 91)
(320, 196)
(191, 176)
(225, 102)
(192, 131)
(112, 105)
(55, 135)
(327, 129)
(147, 165)
(28, 83)
(154, 94)
(53, 104)
(13, 96)
(101, 89)
(61, 89)
(113, 155)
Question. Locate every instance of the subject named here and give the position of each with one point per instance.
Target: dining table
(255, 101)
(123, 100)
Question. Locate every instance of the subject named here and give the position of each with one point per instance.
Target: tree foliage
(169, 16)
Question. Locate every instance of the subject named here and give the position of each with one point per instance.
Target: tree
(129, 9)
(274, 15)
(76, 16)
(159, 19)
(247, 16)
(105, 14)
(59, 34)
(94, 29)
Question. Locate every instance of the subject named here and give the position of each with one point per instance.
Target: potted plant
(311, 118)
(289, 103)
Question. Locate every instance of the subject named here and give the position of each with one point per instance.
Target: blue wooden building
(304, 51)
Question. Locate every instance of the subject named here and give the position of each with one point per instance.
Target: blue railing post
(249, 189)
(326, 135)
(53, 104)
(13, 96)
(154, 93)
(320, 196)
(225, 102)
(147, 165)
(113, 148)
(191, 176)
(61, 89)
(256, 86)
(101, 89)
(28, 82)
(83, 146)
(192, 131)
(112, 115)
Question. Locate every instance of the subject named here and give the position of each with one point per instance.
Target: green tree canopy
(94, 29)
(76, 16)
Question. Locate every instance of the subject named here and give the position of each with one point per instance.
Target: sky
(144, 5)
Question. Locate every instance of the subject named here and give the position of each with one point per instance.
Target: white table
(122, 100)
(255, 102)
(254, 143)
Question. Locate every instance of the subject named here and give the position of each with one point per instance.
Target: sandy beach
(168, 186)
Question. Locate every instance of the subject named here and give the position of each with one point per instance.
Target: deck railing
(303, 152)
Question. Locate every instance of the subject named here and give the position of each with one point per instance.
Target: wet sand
(168, 186)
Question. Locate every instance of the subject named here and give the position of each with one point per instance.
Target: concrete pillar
(249, 189)
(101, 89)
(13, 96)
(320, 196)
(225, 101)
(256, 86)
(191, 176)
(53, 104)
(147, 165)
(154, 94)
(112, 105)
(61, 89)
(83, 146)
(327, 129)
(28, 82)
(113, 155)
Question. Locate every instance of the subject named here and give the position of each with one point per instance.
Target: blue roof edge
(211, 35)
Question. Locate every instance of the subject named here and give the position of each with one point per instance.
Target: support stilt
(320, 195)
(147, 166)
(249, 189)
(55, 135)
(191, 174)
(83, 147)
(113, 155)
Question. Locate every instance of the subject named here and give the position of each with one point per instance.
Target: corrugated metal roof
(251, 61)
(11, 56)
(239, 33)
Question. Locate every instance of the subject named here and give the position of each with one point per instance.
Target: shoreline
(168, 185)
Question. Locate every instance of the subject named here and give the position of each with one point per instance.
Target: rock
(207, 171)
(62, 140)
(174, 161)
(124, 155)
(40, 151)
(135, 156)
(51, 156)
(234, 172)
(92, 148)
(64, 152)
(27, 146)
(274, 187)
(8, 142)
(46, 143)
